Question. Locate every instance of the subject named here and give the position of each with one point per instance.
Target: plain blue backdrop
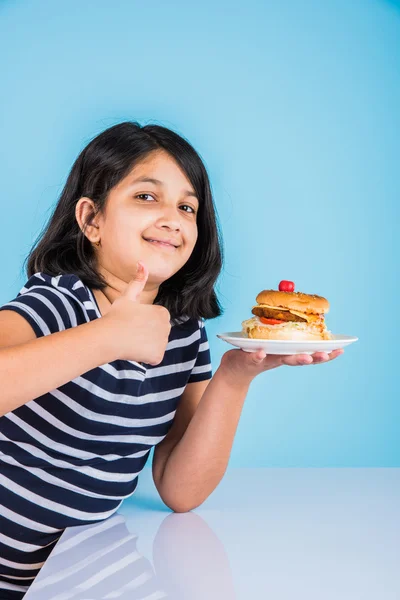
(294, 107)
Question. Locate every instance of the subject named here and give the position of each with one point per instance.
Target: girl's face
(156, 201)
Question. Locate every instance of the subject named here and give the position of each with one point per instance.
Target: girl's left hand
(244, 366)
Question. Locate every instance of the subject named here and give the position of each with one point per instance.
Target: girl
(104, 353)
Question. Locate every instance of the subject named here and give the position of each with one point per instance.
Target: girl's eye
(138, 196)
(192, 210)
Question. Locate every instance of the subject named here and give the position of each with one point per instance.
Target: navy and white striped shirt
(71, 456)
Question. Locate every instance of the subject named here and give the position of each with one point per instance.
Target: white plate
(238, 339)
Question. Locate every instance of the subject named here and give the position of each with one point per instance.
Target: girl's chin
(159, 271)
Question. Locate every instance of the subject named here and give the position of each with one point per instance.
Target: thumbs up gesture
(137, 331)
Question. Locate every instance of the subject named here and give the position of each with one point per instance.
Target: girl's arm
(31, 368)
(192, 459)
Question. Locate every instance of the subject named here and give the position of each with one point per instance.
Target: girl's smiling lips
(168, 243)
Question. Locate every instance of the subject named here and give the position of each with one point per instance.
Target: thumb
(136, 285)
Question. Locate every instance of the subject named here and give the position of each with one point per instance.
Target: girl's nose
(170, 218)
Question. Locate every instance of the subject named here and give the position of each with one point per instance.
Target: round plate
(238, 339)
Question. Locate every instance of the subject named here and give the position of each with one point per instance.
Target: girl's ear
(86, 216)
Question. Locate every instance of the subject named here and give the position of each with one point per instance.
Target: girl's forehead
(157, 162)
(159, 169)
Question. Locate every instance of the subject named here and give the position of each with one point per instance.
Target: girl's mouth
(161, 244)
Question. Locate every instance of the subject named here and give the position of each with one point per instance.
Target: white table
(276, 534)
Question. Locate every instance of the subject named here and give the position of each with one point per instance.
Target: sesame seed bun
(306, 303)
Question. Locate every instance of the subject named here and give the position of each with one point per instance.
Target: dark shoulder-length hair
(63, 248)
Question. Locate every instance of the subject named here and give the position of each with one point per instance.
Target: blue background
(294, 107)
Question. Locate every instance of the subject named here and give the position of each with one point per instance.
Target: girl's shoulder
(54, 303)
(67, 284)
(62, 281)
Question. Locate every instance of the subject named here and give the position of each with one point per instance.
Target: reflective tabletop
(264, 533)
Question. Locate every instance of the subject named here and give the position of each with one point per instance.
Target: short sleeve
(46, 308)
(202, 369)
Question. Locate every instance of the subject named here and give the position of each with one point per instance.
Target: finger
(320, 357)
(136, 285)
(296, 360)
(306, 359)
(336, 353)
(258, 356)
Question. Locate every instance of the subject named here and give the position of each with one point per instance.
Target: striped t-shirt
(71, 456)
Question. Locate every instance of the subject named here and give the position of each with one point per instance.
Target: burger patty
(270, 313)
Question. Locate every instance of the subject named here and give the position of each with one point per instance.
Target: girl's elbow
(182, 506)
(181, 509)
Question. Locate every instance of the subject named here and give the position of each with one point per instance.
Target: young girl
(104, 353)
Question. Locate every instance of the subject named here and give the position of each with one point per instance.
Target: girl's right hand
(139, 332)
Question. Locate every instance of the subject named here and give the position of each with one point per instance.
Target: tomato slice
(270, 321)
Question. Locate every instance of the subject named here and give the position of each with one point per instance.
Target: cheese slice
(309, 318)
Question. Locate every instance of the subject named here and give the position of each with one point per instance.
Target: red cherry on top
(286, 286)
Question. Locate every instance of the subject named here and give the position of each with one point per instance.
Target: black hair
(62, 247)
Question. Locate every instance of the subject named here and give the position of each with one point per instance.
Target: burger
(284, 314)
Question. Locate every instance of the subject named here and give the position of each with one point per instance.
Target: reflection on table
(102, 561)
(264, 533)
